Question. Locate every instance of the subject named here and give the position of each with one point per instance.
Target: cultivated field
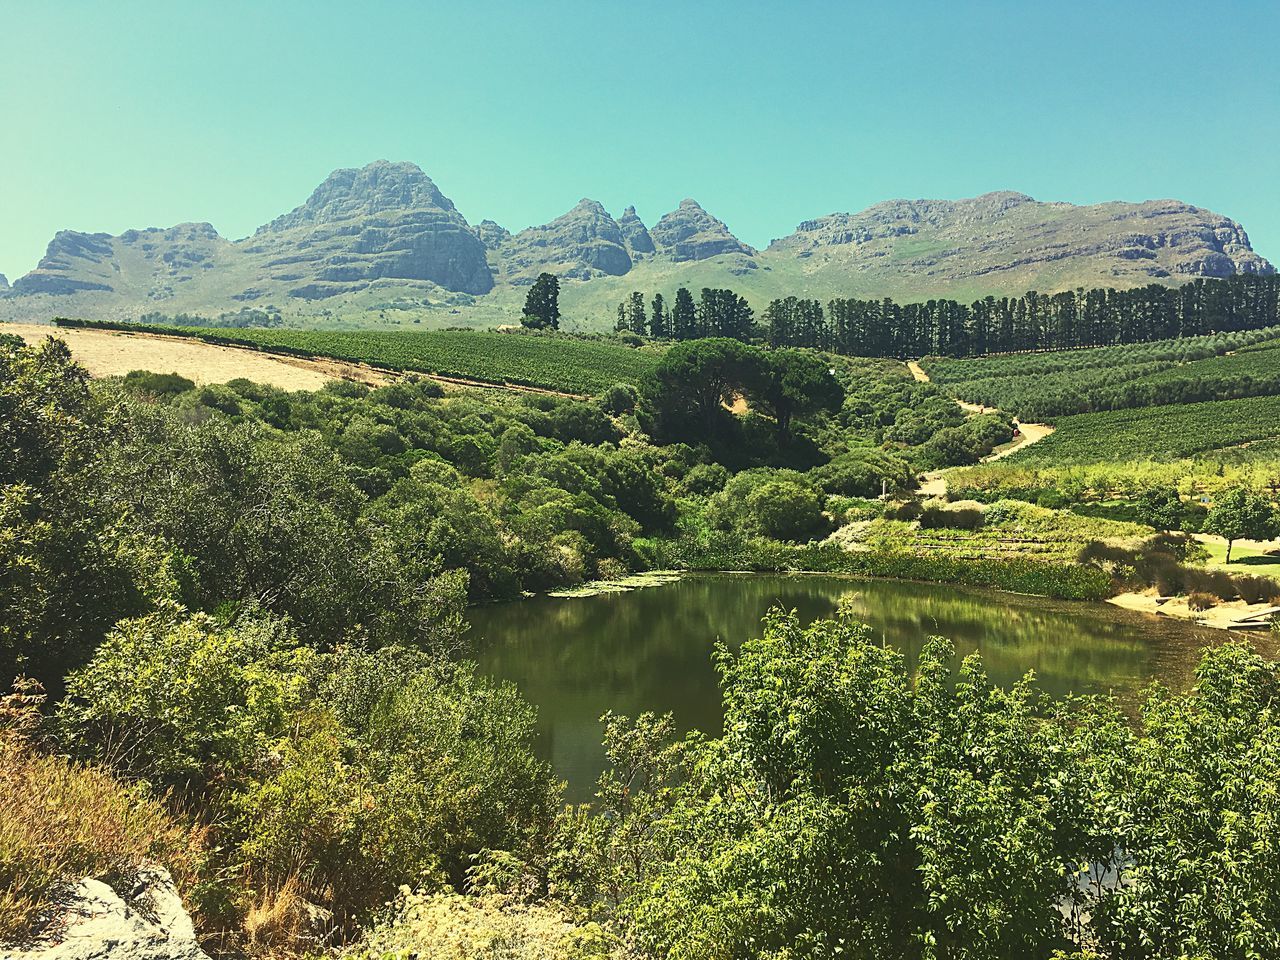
(562, 364)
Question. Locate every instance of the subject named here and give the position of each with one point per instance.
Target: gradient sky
(133, 114)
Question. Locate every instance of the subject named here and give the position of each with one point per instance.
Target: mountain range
(383, 244)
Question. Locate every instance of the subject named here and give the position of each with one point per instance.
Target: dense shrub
(180, 699)
(619, 399)
(864, 473)
(906, 511)
(933, 516)
(779, 505)
(157, 384)
(849, 802)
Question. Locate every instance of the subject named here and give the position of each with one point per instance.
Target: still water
(651, 649)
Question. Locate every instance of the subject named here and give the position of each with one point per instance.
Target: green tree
(692, 383)
(658, 319)
(1160, 507)
(542, 304)
(1241, 514)
(684, 316)
(722, 313)
(795, 383)
(70, 565)
(636, 320)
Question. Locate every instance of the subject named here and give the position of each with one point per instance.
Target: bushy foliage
(487, 927)
(865, 472)
(351, 773)
(851, 810)
(157, 384)
(181, 700)
(776, 504)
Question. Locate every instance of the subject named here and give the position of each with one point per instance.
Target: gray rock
(147, 922)
(690, 233)
(71, 263)
(586, 242)
(635, 234)
(1008, 233)
(491, 234)
(385, 220)
(4, 282)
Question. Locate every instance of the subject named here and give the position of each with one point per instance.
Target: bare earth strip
(107, 353)
(112, 353)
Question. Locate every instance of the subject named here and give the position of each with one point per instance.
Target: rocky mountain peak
(592, 207)
(380, 187)
(635, 234)
(690, 233)
(384, 221)
(582, 243)
(4, 282)
(492, 234)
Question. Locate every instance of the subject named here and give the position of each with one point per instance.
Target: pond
(650, 649)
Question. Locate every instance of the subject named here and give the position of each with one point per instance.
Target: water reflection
(650, 649)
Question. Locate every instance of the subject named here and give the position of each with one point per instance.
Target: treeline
(1034, 321)
(236, 319)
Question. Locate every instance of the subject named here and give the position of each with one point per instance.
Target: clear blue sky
(133, 114)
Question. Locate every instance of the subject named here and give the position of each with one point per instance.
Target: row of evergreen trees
(1034, 321)
(718, 313)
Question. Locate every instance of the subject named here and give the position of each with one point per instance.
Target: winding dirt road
(934, 483)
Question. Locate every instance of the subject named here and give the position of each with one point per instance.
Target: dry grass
(277, 920)
(61, 821)
(106, 353)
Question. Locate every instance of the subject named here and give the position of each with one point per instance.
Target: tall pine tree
(636, 322)
(542, 304)
(684, 316)
(658, 318)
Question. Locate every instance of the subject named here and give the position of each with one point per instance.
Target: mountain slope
(382, 244)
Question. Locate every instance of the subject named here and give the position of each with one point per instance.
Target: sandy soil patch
(109, 353)
(1226, 615)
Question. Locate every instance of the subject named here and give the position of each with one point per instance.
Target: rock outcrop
(586, 242)
(145, 922)
(635, 234)
(690, 233)
(383, 221)
(73, 261)
(961, 240)
(492, 235)
(147, 264)
(4, 282)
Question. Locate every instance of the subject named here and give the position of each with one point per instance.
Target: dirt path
(934, 483)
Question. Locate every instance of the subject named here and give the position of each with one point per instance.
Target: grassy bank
(1062, 581)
